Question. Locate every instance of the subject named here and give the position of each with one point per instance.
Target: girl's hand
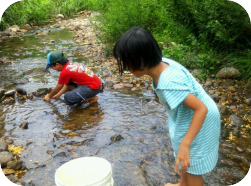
(183, 158)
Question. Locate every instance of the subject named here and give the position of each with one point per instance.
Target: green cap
(54, 57)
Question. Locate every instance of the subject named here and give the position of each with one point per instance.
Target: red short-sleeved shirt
(80, 74)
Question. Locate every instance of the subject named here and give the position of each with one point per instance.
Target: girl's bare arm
(200, 112)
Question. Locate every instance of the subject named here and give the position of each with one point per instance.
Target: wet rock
(239, 149)
(108, 84)
(231, 89)
(8, 171)
(30, 96)
(3, 146)
(10, 93)
(215, 84)
(215, 97)
(15, 165)
(50, 152)
(65, 131)
(225, 133)
(248, 101)
(208, 84)
(5, 33)
(2, 92)
(236, 131)
(115, 138)
(61, 154)
(21, 81)
(153, 127)
(227, 82)
(128, 85)
(9, 141)
(233, 108)
(248, 150)
(59, 16)
(13, 28)
(236, 120)
(118, 86)
(21, 94)
(228, 73)
(21, 91)
(26, 27)
(5, 157)
(223, 109)
(24, 125)
(41, 92)
(21, 97)
(8, 100)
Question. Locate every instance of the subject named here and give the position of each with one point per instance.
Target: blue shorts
(81, 92)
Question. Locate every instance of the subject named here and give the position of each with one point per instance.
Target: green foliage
(13, 15)
(121, 15)
(215, 22)
(193, 58)
(66, 7)
(35, 12)
(3, 24)
(26, 11)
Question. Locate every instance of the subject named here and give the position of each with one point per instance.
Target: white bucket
(86, 171)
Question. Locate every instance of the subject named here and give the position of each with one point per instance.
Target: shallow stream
(58, 133)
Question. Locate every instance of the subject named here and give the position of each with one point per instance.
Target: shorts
(81, 92)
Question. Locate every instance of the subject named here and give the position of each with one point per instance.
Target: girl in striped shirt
(194, 119)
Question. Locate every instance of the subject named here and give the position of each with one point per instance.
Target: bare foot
(172, 184)
(93, 100)
(90, 100)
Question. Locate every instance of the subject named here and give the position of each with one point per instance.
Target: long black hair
(137, 49)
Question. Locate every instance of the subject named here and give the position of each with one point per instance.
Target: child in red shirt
(77, 82)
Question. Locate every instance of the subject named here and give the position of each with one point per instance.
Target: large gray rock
(236, 120)
(228, 73)
(248, 101)
(15, 165)
(5, 157)
(3, 146)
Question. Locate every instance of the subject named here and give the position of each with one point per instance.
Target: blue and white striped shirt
(174, 85)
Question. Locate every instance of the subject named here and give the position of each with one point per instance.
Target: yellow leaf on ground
(15, 150)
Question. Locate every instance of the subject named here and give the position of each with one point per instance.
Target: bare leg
(188, 180)
(183, 181)
(194, 180)
(90, 100)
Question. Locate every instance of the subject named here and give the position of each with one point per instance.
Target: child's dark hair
(63, 61)
(137, 49)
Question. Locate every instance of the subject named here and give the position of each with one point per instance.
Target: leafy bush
(215, 22)
(35, 12)
(66, 7)
(120, 15)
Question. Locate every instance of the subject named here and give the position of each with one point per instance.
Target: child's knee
(71, 100)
